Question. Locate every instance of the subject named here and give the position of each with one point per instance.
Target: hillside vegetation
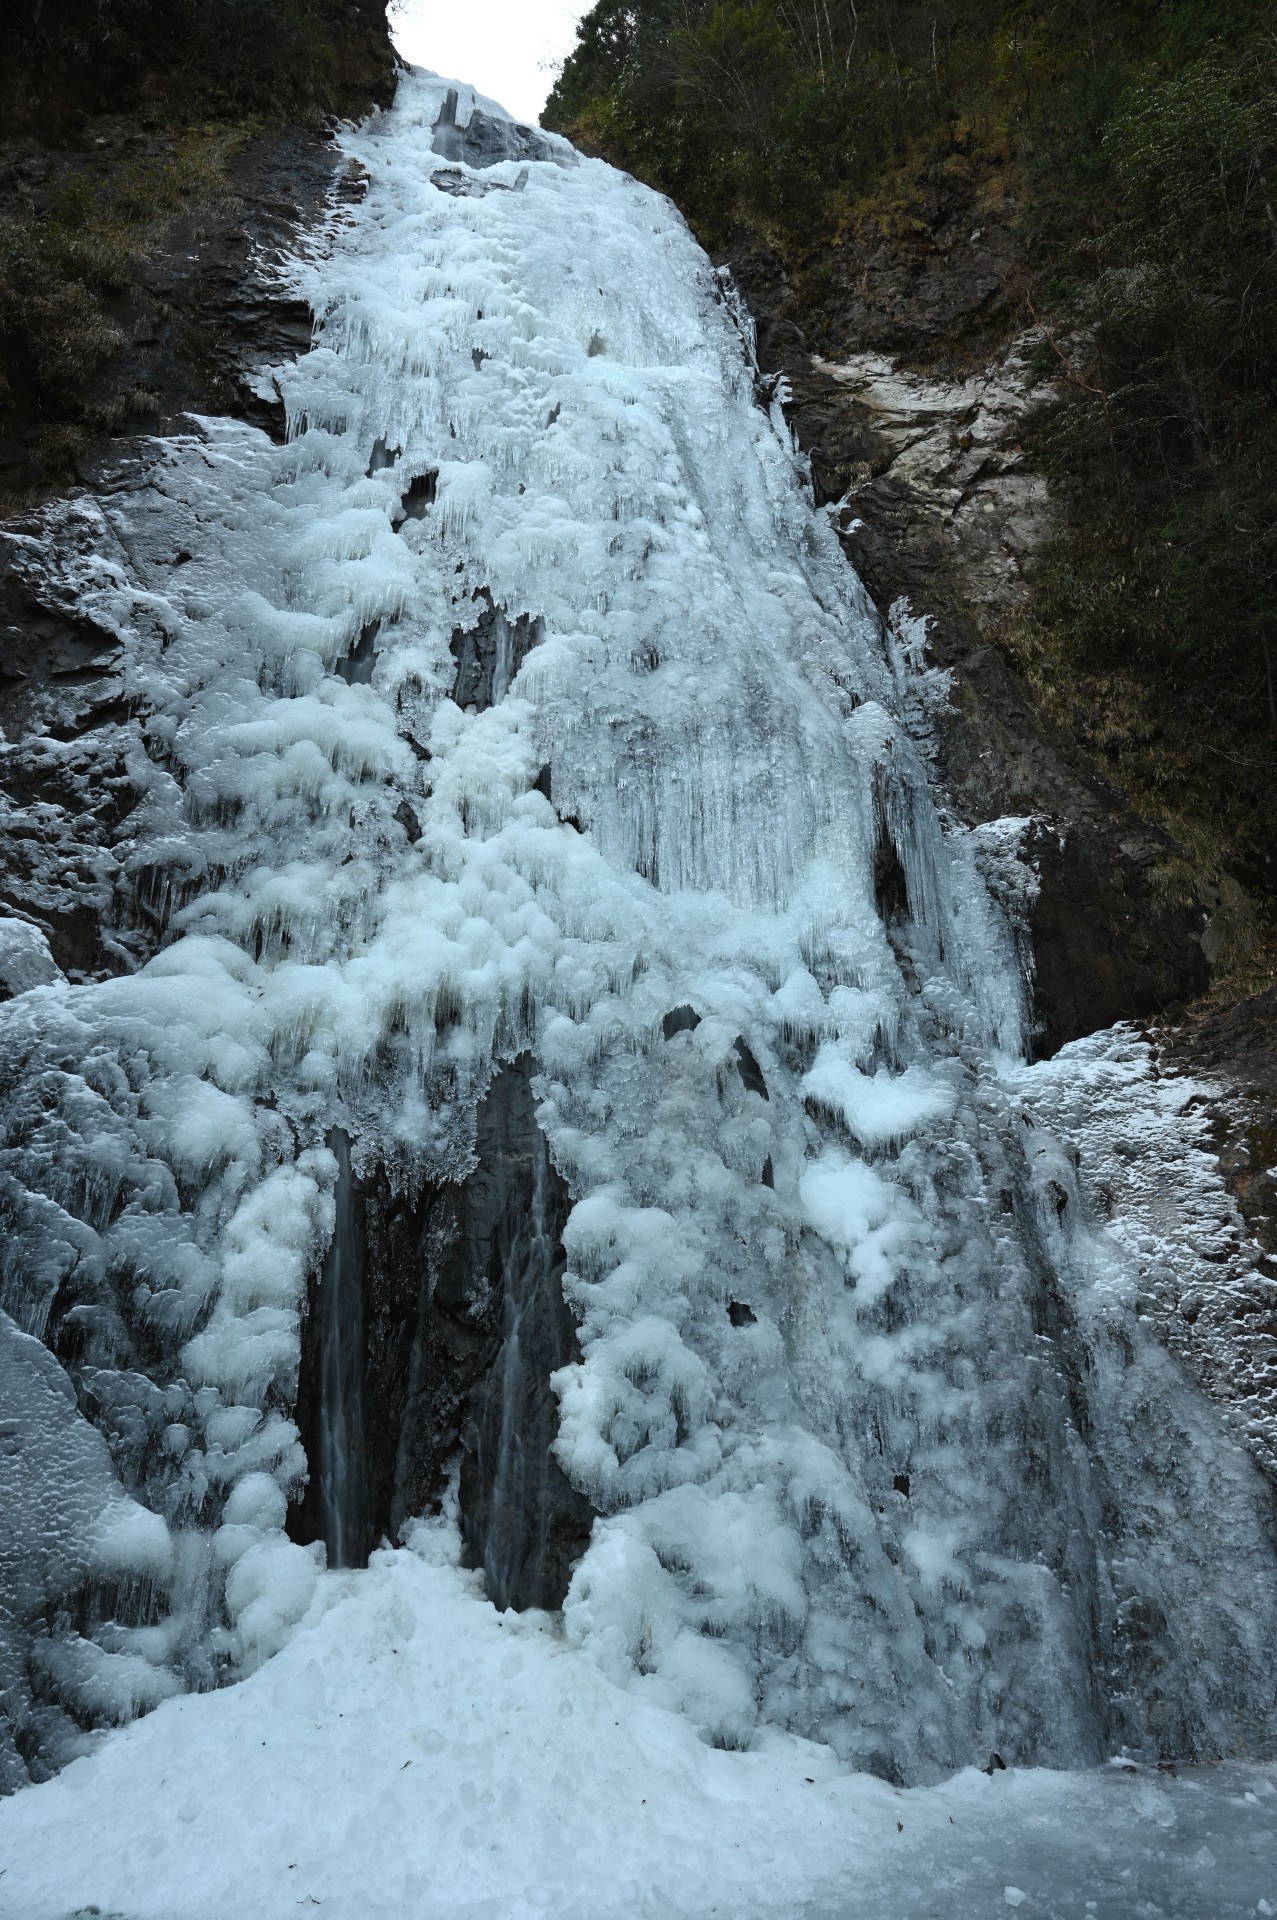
(120, 125)
(1138, 145)
(61, 59)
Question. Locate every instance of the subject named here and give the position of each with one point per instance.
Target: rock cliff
(909, 377)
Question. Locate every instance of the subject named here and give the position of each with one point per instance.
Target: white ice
(943, 1494)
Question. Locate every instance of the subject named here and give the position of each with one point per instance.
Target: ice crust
(945, 1493)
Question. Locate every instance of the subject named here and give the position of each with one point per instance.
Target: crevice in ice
(422, 493)
(356, 668)
(891, 889)
(435, 1323)
(751, 1073)
(490, 653)
(684, 1019)
(381, 457)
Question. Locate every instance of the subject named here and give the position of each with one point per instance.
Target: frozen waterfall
(522, 708)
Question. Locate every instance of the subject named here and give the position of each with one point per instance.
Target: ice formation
(522, 703)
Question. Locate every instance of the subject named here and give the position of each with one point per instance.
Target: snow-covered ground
(413, 1754)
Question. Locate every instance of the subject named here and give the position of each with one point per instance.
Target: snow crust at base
(413, 1753)
(522, 703)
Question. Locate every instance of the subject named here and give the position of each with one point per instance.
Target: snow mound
(411, 1752)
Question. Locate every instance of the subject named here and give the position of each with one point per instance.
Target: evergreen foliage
(61, 57)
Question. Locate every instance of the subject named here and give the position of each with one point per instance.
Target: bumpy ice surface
(413, 1753)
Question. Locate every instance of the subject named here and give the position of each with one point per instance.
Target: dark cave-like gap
(437, 1322)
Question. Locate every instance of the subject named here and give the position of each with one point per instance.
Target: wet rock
(420, 495)
(339, 1481)
(891, 890)
(441, 1274)
(490, 653)
(357, 667)
(522, 1521)
(406, 815)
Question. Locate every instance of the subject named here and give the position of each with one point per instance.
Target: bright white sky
(508, 49)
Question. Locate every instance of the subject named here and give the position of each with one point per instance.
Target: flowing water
(523, 703)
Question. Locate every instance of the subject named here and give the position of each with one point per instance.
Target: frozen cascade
(521, 704)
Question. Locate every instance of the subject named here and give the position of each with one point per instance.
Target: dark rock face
(66, 785)
(463, 1323)
(521, 1520)
(490, 653)
(340, 1470)
(204, 312)
(938, 505)
(485, 142)
(1105, 947)
(1236, 1047)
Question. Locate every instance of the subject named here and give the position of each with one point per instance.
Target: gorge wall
(910, 391)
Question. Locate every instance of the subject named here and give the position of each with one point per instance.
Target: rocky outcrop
(463, 1322)
(205, 309)
(1234, 1050)
(913, 394)
(935, 465)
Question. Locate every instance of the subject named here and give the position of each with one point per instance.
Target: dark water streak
(342, 1467)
